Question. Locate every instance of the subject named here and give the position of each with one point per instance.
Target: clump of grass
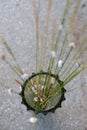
(44, 89)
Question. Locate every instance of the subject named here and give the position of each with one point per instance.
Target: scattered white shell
(33, 120)
(72, 44)
(34, 90)
(53, 54)
(20, 88)
(35, 99)
(60, 63)
(41, 99)
(10, 90)
(25, 76)
(52, 80)
(42, 87)
(60, 27)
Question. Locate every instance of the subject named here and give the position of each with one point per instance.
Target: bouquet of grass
(44, 90)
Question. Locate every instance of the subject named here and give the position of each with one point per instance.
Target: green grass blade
(4, 42)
